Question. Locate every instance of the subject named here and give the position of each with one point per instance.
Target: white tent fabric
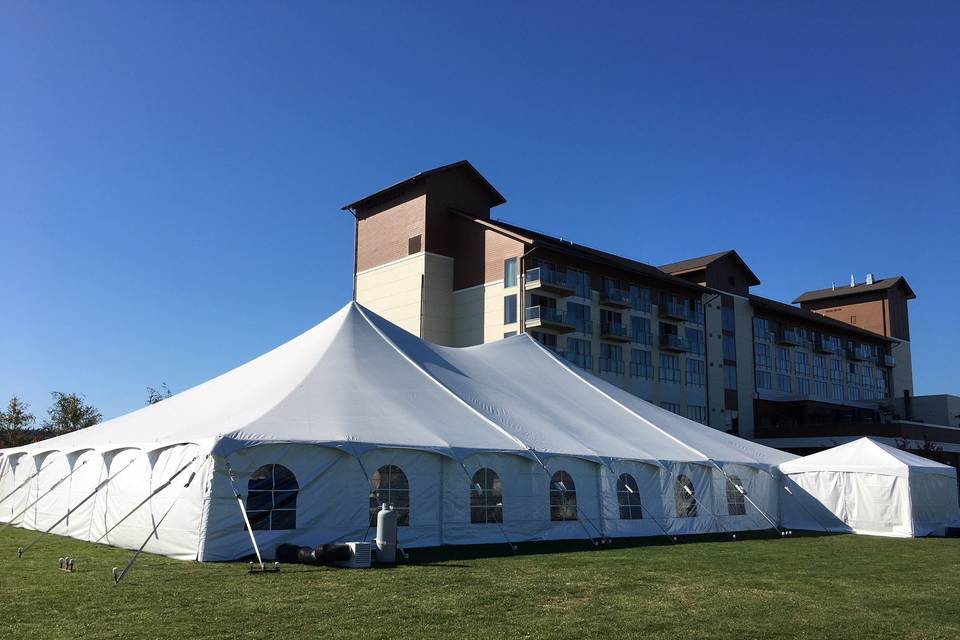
(871, 488)
(355, 398)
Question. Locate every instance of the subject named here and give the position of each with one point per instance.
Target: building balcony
(859, 352)
(788, 337)
(616, 299)
(549, 281)
(855, 378)
(672, 342)
(641, 338)
(547, 319)
(886, 360)
(672, 311)
(825, 347)
(613, 331)
(608, 365)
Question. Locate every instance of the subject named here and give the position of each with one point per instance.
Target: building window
(578, 352)
(669, 368)
(730, 376)
(640, 330)
(549, 340)
(272, 498)
(611, 358)
(803, 386)
(729, 319)
(764, 379)
(761, 354)
(783, 359)
(672, 407)
(486, 497)
(694, 340)
(761, 328)
(685, 497)
(836, 370)
(579, 316)
(510, 272)
(697, 413)
(819, 389)
(731, 421)
(390, 487)
(729, 348)
(736, 504)
(509, 309)
(695, 372)
(509, 334)
(563, 497)
(783, 383)
(801, 364)
(580, 281)
(628, 495)
(641, 364)
(414, 244)
(640, 299)
(853, 393)
(836, 391)
(820, 367)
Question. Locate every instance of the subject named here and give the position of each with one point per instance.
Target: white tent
(869, 487)
(500, 442)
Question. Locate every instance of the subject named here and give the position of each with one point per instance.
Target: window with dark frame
(686, 499)
(628, 497)
(563, 497)
(272, 499)
(389, 486)
(486, 497)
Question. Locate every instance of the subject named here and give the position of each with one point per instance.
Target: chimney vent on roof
(853, 281)
(869, 278)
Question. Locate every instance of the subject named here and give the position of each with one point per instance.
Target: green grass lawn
(800, 587)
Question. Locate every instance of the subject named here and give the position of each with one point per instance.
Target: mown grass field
(800, 587)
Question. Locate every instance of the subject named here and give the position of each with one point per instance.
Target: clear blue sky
(171, 173)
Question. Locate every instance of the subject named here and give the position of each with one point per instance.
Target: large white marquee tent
(494, 443)
(868, 487)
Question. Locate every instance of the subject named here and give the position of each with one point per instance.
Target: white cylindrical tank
(386, 535)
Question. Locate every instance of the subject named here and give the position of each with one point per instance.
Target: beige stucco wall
(746, 387)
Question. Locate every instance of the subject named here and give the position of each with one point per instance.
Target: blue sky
(171, 173)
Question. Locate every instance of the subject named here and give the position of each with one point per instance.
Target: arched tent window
(736, 505)
(390, 487)
(685, 495)
(486, 497)
(628, 495)
(563, 497)
(272, 498)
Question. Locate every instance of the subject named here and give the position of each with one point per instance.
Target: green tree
(14, 421)
(156, 395)
(70, 412)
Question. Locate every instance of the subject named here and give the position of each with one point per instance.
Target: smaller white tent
(871, 488)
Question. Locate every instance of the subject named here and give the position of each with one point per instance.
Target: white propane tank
(386, 535)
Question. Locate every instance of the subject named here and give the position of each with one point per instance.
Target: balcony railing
(609, 365)
(855, 378)
(613, 331)
(615, 298)
(672, 310)
(581, 326)
(789, 337)
(640, 370)
(548, 280)
(859, 352)
(672, 342)
(821, 346)
(886, 360)
(641, 337)
(548, 318)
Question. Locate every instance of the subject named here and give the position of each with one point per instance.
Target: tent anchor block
(253, 568)
(68, 564)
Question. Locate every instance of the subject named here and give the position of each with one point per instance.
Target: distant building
(689, 336)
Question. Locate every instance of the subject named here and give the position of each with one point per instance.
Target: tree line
(67, 413)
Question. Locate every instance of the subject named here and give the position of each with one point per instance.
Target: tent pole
(45, 493)
(744, 492)
(23, 550)
(243, 512)
(147, 499)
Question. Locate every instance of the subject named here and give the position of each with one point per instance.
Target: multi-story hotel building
(689, 336)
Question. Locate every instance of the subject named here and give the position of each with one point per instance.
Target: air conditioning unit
(360, 556)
